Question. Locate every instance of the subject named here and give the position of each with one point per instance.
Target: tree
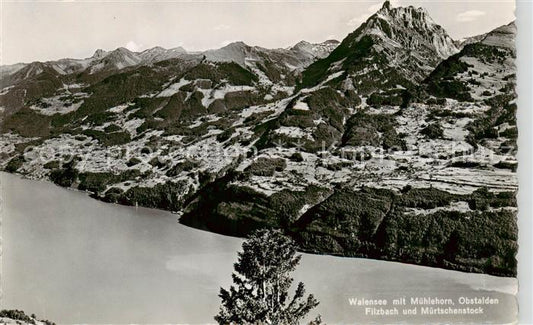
(260, 294)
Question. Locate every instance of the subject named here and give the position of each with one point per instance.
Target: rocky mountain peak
(319, 50)
(155, 49)
(98, 54)
(236, 45)
(116, 59)
(159, 53)
(402, 41)
(233, 52)
(300, 44)
(411, 28)
(122, 50)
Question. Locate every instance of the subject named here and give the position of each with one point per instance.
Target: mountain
(298, 56)
(122, 58)
(395, 46)
(101, 60)
(115, 60)
(502, 37)
(393, 144)
(314, 51)
(468, 40)
(480, 70)
(24, 83)
(158, 53)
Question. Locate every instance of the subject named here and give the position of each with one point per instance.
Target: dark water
(72, 259)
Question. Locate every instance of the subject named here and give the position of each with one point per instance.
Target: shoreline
(300, 249)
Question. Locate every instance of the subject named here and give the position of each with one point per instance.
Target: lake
(72, 259)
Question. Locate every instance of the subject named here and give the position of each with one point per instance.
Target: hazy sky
(39, 31)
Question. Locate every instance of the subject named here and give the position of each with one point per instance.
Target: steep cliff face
(395, 46)
(409, 29)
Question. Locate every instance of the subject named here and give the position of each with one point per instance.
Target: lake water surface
(72, 259)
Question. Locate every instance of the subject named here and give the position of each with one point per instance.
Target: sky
(50, 30)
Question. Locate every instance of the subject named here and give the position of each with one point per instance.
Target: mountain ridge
(151, 55)
(404, 41)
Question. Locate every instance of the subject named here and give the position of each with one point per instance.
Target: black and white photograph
(259, 162)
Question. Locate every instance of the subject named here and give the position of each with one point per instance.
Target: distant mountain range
(295, 57)
(397, 143)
